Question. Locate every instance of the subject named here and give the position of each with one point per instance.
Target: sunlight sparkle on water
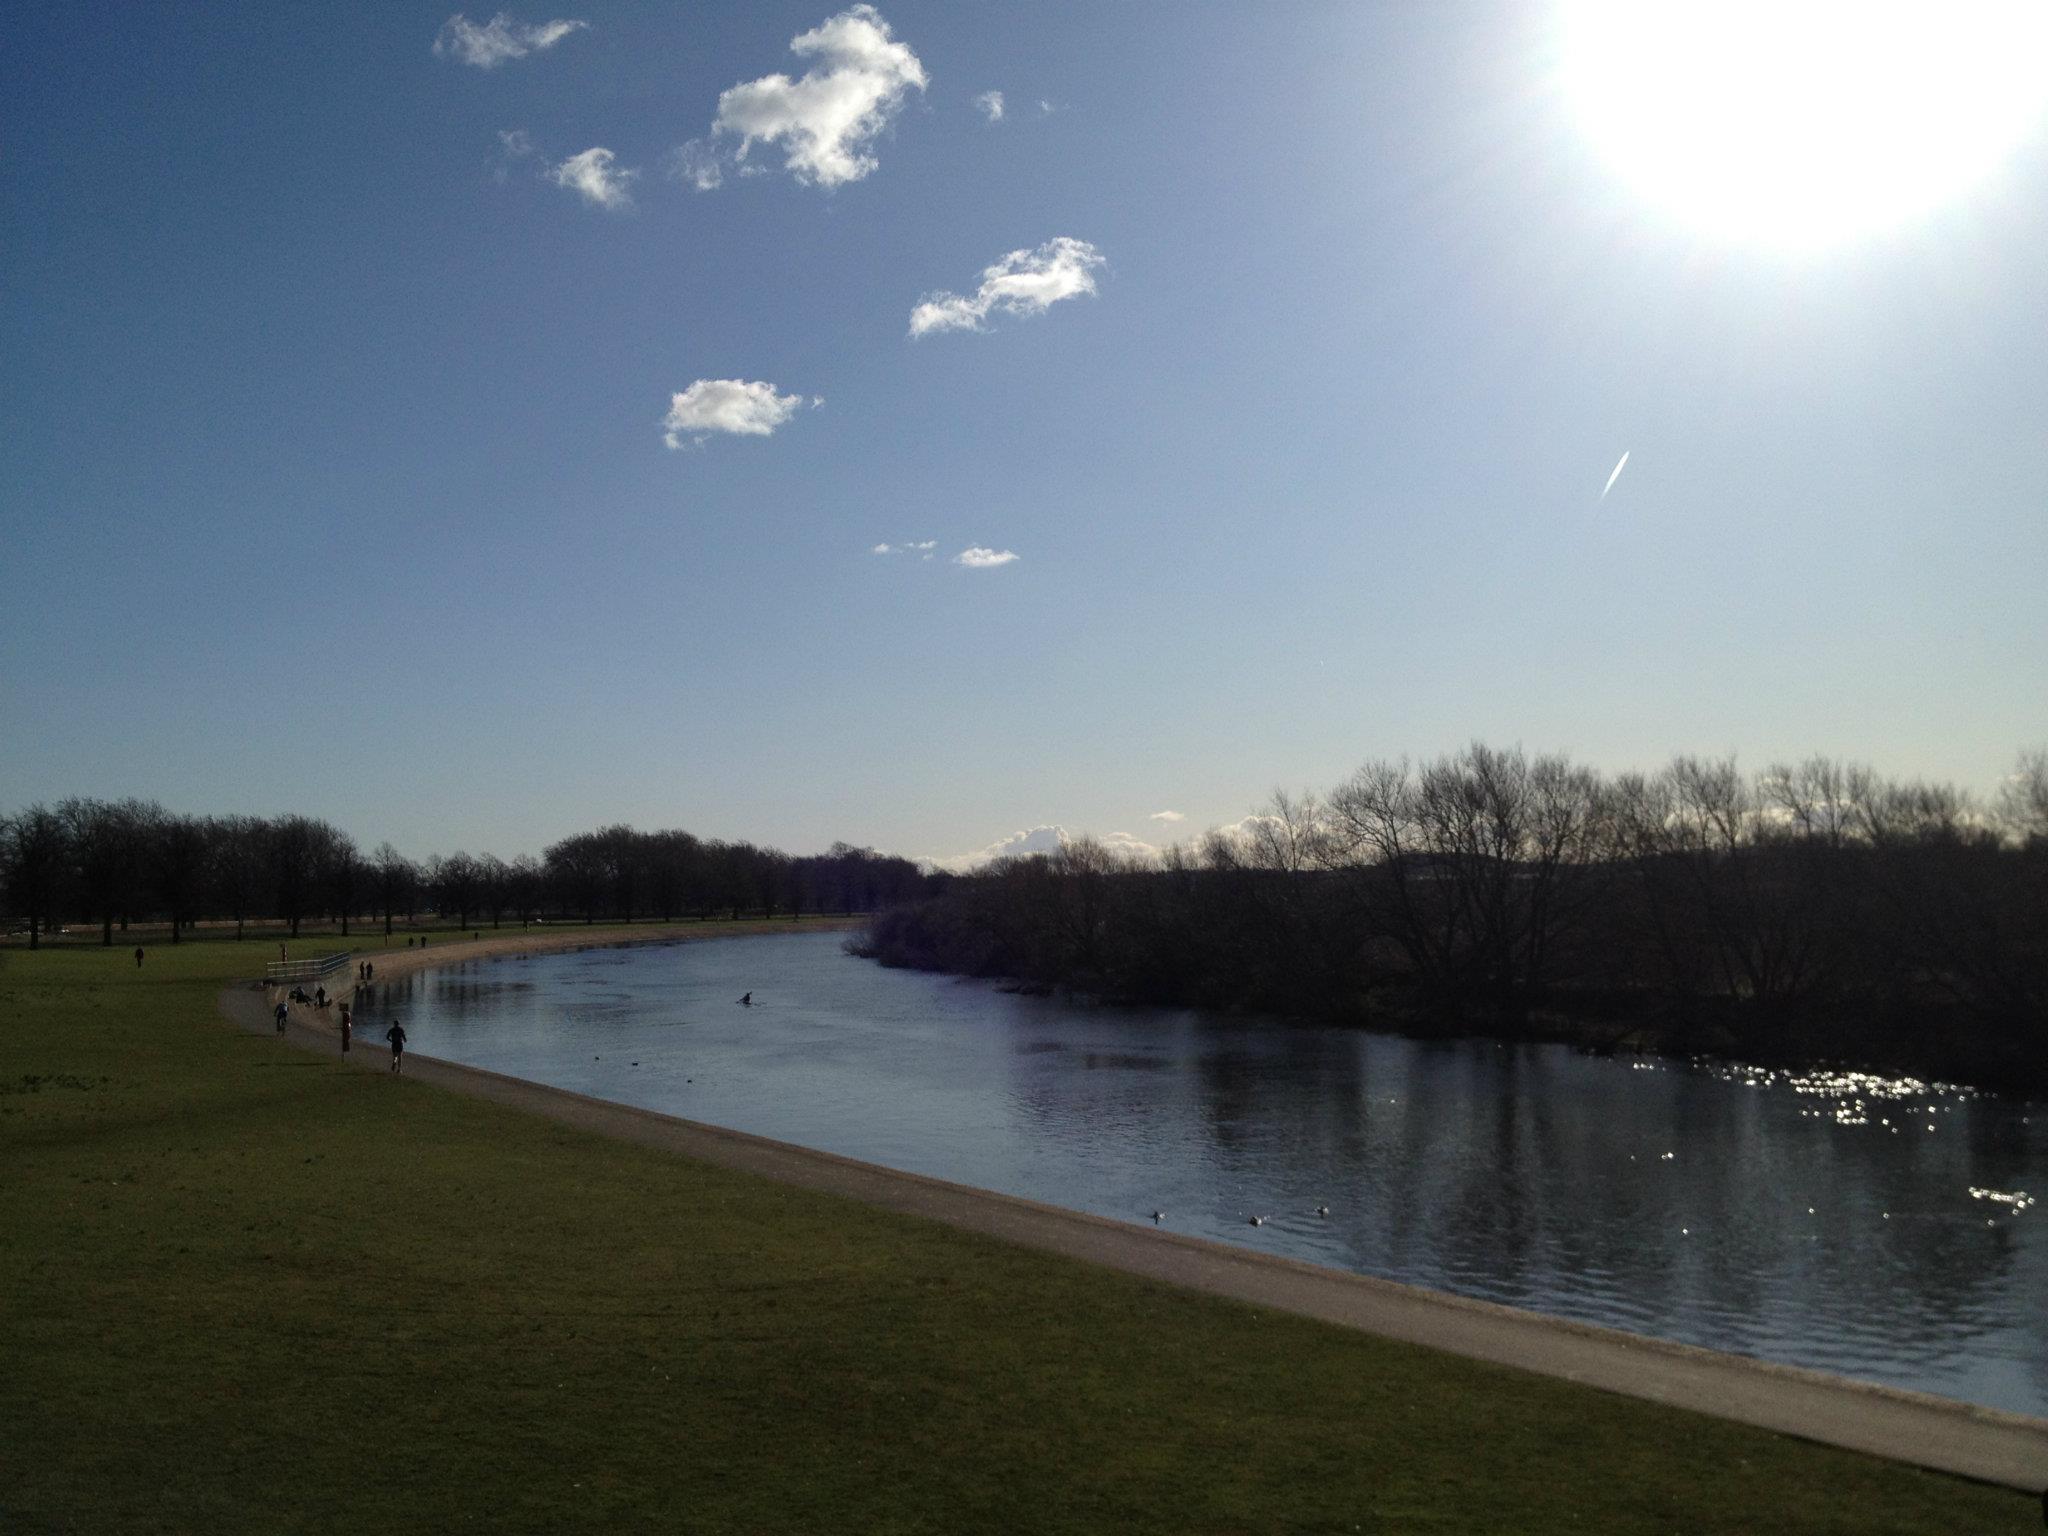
(2018, 1199)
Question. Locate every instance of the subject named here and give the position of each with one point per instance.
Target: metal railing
(282, 971)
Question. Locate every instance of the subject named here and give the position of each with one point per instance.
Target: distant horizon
(929, 428)
(1166, 828)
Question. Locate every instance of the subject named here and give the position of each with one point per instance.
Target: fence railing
(280, 971)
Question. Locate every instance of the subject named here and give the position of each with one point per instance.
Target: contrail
(1613, 477)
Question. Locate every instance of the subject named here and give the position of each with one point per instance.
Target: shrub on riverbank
(1802, 914)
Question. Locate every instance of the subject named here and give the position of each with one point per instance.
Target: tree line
(1809, 911)
(113, 863)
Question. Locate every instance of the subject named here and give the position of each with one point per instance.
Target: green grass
(245, 1288)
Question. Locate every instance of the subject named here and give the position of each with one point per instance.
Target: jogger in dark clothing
(396, 1035)
(279, 1016)
(347, 1028)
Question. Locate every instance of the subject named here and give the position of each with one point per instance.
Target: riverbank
(1935, 1041)
(1931, 1432)
(452, 948)
(237, 1267)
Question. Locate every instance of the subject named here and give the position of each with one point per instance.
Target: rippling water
(1882, 1229)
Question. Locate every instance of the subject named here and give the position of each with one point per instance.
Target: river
(1883, 1229)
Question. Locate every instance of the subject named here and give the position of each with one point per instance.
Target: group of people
(395, 1035)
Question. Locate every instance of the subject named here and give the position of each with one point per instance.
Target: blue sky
(333, 474)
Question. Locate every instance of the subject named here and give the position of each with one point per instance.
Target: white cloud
(1018, 845)
(980, 558)
(1046, 107)
(991, 104)
(1130, 847)
(879, 549)
(593, 175)
(697, 163)
(1049, 838)
(1022, 283)
(908, 547)
(513, 144)
(826, 123)
(1166, 816)
(745, 407)
(499, 40)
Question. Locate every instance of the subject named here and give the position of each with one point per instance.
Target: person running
(138, 957)
(396, 1035)
(279, 1016)
(347, 1028)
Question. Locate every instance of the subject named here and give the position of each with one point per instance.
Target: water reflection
(1882, 1228)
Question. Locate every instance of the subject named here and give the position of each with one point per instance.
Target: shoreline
(1939, 1434)
(1589, 1032)
(556, 938)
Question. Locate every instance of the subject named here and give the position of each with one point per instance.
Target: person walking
(279, 1016)
(396, 1035)
(347, 1028)
(138, 957)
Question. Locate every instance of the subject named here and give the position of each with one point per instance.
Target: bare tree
(393, 877)
(2023, 799)
(177, 851)
(35, 855)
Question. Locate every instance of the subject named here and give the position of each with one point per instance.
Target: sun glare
(1805, 123)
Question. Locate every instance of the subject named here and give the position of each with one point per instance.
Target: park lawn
(243, 1287)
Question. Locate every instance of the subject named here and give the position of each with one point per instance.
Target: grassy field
(245, 1288)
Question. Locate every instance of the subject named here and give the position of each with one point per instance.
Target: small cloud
(991, 105)
(698, 163)
(1046, 107)
(593, 176)
(1166, 816)
(926, 544)
(826, 122)
(979, 558)
(1022, 283)
(743, 407)
(908, 547)
(513, 144)
(499, 40)
(879, 549)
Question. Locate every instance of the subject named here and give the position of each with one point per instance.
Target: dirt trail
(1931, 1432)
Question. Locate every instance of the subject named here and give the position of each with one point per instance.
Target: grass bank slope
(246, 1289)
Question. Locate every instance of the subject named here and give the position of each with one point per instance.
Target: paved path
(1926, 1431)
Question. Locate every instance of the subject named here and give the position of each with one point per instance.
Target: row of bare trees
(117, 863)
(1810, 908)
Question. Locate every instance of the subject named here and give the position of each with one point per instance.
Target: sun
(1805, 123)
